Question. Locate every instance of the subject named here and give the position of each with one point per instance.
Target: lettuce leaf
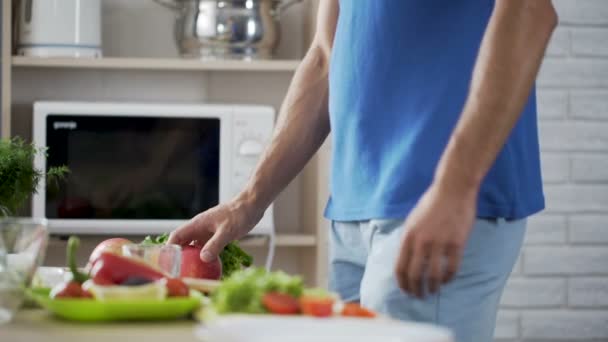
(243, 291)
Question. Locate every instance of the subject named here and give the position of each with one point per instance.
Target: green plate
(89, 310)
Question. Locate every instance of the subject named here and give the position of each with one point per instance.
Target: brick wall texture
(559, 288)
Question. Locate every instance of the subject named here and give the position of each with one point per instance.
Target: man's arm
(304, 120)
(302, 127)
(509, 58)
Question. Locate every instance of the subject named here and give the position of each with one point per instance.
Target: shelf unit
(283, 240)
(305, 247)
(160, 64)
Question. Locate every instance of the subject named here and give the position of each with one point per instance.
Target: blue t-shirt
(399, 77)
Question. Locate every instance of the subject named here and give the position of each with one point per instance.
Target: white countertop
(37, 325)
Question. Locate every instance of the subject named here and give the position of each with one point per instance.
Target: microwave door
(133, 168)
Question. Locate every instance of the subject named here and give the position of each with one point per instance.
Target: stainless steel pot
(235, 29)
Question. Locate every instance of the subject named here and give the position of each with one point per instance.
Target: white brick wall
(559, 288)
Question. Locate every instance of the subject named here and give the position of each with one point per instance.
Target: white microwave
(144, 168)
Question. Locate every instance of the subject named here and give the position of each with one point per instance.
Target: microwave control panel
(252, 131)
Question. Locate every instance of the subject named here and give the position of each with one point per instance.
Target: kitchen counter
(38, 325)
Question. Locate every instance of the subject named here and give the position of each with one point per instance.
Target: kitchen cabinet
(133, 70)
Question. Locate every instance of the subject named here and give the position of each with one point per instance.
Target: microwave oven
(144, 168)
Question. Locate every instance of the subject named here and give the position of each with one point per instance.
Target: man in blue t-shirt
(435, 166)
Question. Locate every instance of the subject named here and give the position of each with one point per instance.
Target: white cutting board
(269, 328)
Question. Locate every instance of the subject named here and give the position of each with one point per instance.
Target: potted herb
(18, 177)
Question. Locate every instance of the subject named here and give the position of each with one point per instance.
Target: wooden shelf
(160, 64)
(282, 240)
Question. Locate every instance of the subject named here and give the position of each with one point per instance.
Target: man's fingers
(401, 270)
(193, 230)
(453, 255)
(435, 269)
(214, 246)
(184, 234)
(417, 266)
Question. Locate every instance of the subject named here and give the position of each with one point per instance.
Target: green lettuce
(242, 292)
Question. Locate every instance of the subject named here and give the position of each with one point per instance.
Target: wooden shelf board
(282, 240)
(166, 64)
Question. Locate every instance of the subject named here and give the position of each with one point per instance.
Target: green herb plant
(18, 177)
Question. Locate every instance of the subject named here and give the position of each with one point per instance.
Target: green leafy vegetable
(233, 259)
(232, 256)
(318, 292)
(243, 291)
(158, 240)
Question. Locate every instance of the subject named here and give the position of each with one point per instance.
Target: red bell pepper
(73, 287)
(113, 269)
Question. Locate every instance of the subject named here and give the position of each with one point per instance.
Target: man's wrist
(251, 201)
(457, 173)
(453, 187)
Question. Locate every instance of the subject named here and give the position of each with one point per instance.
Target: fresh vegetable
(112, 269)
(317, 302)
(317, 307)
(77, 276)
(72, 288)
(114, 276)
(193, 267)
(243, 291)
(176, 287)
(280, 303)
(155, 290)
(113, 245)
(158, 240)
(136, 281)
(356, 310)
(232, 258)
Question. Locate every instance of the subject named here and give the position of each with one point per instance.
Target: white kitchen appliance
(52, 28)
(145, 168)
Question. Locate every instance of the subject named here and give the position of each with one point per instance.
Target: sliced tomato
(87, 294)
(317, 307)
(176, 288)
(280, 303)
(70, 289)
(356, 310)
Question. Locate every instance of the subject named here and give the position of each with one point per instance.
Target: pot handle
(168, 4)
(284, 6)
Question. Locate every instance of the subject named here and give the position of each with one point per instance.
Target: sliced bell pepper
(73, 287)
(113, 269)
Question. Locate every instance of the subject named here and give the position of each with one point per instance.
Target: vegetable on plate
(280, 303)
(256, 291)
(113, 245)
(72, 288)
(232, 258)
(356, 310)
(113, 276)
(242, 292)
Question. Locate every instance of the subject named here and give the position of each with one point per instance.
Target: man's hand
(509, 58)
(436, 232)
(218, 226)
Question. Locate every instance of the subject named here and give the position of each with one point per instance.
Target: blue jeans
(362, 263)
